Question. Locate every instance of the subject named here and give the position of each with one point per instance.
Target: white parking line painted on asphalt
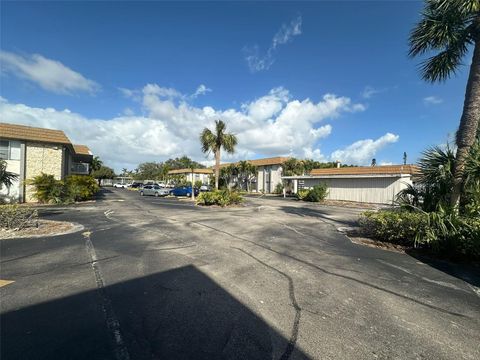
(113, 325)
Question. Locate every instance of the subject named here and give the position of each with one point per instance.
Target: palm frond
(445, 64)
(409, 197)
(208, 141)
(229, 142)
(7, 178)
(446, 26)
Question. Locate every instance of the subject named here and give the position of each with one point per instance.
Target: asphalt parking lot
(160, 278)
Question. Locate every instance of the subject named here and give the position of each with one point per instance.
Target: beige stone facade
(31, 151)
(42, 158)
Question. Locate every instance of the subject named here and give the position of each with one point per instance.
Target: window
(9, 150)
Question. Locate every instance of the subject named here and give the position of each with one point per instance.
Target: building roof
(30, 133)
(81, 149)
(278, 160)
(269, 161)
(21, 132)
(367, 170)
(189, 171)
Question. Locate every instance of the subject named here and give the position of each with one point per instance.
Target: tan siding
(369, 190)
(42, 158)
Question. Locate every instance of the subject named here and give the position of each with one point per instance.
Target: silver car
(154, 190)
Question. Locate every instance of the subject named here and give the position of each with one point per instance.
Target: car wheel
(141, 193)
(156, 194)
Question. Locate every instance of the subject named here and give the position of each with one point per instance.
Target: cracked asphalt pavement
(159, 278)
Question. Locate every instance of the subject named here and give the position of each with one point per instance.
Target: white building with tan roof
(368, 184)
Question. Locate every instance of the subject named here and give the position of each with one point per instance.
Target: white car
(122, 186)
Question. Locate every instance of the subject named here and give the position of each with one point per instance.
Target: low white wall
(380, 190)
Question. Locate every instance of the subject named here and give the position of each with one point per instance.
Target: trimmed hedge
(219, 197)
(441, 232)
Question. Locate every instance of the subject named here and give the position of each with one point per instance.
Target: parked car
(154, 190)
(205, 188)
(119, 185)
(136, 185)
(184, 191)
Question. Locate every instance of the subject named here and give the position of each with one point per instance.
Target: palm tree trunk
(217, 167)
(467, 130)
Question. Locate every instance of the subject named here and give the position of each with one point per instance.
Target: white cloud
(272, 125)
(201, 90)
(49, 74)
(163, 92)
(259, 62)
(287, 32)
(361, 152)
(432, 100)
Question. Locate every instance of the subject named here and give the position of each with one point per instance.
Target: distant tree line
(295, 166)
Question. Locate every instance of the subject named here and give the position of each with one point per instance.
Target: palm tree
(96, 164)
(6, 177)
(247, 172)
(451, 27)
(215, 141)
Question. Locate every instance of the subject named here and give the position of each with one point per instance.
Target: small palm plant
(96, 164)
(452, 27)
(214, 141)
(7, 178)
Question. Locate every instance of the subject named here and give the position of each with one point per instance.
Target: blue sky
(138, 81)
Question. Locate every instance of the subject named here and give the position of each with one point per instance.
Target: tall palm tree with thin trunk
(214, 141)
(452, 27)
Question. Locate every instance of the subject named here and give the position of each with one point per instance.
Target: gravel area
(44, 228)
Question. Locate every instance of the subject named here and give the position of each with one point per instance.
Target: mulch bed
(44, 228)
(358, 237)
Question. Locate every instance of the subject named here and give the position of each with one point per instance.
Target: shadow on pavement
(322, 213)
(103, 193)
(470, 273)
(176, 314)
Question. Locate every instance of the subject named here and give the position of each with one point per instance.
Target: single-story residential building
(369, 184)
(31, 151)
(202, 175)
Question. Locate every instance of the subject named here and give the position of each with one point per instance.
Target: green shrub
(302, 194)
(48, 189)
(318, 193)
(442, 232)
(74, 188)
(399, 227)
(207, 198)
(17, 217)
(219, 197)
(81, 187)
(278, 188)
